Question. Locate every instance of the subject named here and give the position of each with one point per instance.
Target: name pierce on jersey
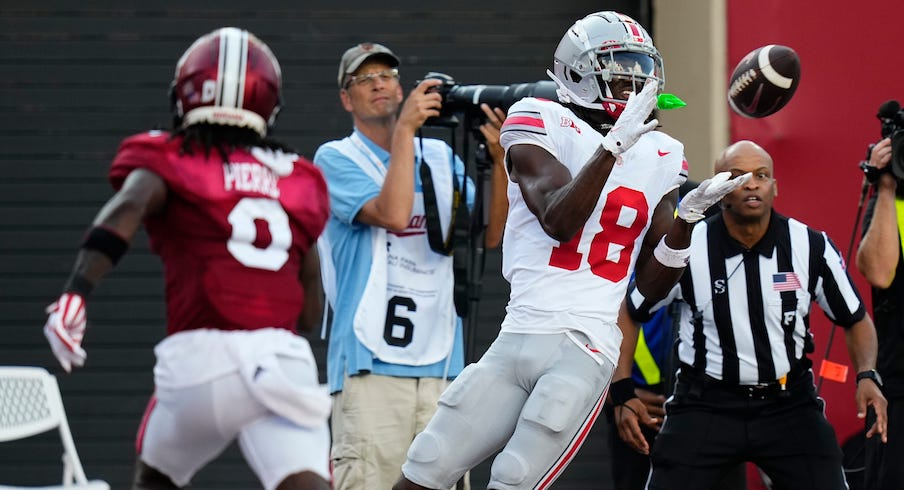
(250, 177)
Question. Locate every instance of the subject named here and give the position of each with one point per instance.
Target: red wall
(852, 60)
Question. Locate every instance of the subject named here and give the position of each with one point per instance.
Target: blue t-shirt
(350, 188)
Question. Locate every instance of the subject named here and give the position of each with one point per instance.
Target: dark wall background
(77, 77)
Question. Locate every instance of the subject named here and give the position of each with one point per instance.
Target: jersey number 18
(566, 255)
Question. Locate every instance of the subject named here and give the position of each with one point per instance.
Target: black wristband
(872, 173)
(622, 391)
(106, 242)
(77, 283)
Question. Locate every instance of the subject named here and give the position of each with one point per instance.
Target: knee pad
(554, 402)
(509, 468)
(425, 449)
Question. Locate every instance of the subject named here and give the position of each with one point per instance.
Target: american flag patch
(785, 281)
(529, 121)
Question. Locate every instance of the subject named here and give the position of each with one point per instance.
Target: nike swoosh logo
(591, 349)
(662, 153)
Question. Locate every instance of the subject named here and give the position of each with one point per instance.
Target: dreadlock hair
(224, 139)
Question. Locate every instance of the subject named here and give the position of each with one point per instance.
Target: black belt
(707, 384)
(762, 391)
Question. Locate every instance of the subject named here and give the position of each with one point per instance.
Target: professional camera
(467, 98)
(892, 118)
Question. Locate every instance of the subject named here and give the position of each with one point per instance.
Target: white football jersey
(580, 284)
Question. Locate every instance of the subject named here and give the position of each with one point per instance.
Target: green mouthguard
(669, 101)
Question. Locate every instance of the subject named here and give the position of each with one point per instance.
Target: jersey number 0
(244, 233)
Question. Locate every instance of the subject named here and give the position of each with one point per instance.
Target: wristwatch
(870, 374)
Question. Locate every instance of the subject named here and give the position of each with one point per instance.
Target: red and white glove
(630, 126)
(65, 329)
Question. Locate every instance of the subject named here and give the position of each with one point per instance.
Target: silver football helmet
(601, 48)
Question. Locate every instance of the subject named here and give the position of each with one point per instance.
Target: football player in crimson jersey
(592, 193)
(234, 216)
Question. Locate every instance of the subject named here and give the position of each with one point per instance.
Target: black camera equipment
(466, 99)
(891, 116)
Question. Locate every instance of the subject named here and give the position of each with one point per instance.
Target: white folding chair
(30, 404)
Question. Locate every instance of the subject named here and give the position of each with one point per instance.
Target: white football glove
(629, 126)
(709, 192)
(65, 329)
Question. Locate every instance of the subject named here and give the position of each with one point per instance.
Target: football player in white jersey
(592, 191)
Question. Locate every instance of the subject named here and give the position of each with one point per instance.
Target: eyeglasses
(368, 79)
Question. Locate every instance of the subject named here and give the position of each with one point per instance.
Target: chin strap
(614, 109)
(565, 96)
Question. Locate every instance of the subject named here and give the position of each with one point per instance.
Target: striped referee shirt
(744, 315)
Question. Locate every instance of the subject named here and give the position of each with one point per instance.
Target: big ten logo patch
(568, 123)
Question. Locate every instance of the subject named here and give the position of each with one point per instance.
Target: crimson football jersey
(232, 234)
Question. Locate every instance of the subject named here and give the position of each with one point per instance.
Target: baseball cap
(356, 55)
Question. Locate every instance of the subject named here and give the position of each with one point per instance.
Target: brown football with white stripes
(764, 81)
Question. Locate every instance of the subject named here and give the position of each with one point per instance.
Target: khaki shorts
(375, 419)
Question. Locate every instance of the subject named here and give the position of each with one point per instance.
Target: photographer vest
(405, 314)
(899, 211)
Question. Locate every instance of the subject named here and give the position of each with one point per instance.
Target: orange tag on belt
(833, 371)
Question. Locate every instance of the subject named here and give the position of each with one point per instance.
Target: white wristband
(670, 257)
(612, 145)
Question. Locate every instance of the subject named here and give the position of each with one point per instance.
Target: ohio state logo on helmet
(227, 77)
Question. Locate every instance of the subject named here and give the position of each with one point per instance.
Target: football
(764, 81)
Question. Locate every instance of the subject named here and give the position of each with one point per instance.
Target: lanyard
(376, 164)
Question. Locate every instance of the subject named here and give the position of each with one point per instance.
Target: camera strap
(459, 235)
(440, 242)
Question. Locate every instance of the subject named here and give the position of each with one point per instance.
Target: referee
(744, 389)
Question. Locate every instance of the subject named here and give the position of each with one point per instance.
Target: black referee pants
(885, 462)
(630, 469)
(709, 430)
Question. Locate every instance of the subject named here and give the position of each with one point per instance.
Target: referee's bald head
(744, 151)
(750, 203)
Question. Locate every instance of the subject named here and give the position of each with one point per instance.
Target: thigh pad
(555, 402)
